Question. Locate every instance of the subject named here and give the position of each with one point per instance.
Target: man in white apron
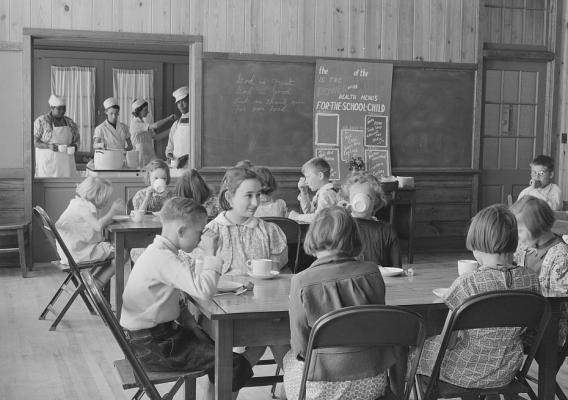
(179, 142)
(56, 137)
(111, 134)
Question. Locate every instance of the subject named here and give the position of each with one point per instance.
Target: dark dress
(380, 243)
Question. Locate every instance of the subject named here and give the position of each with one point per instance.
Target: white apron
(181, 140)
(54, 164)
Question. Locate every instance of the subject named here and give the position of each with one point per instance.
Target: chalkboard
(327, 128)
(257, 110)
(431, 117)
(376, 133)
(377, 162)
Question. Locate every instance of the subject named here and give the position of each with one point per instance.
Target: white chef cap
(110, 102)
(137, 103)
(56, 101)
(181, 93)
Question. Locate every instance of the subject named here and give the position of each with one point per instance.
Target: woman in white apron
(178, 148)
(143, 133)
(51, 131)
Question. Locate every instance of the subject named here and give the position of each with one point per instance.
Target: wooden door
(513, 127)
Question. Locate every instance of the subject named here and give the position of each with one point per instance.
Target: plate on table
(120, 218)
(391, 271)
(272, 274)
(441, 292)
(156, 213)
(228, 286)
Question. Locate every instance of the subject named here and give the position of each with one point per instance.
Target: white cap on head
(137, 103)
(181, 93)
(56, 101)
(110, 102)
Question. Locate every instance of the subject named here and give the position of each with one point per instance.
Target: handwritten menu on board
(378, 162)
(331, 155)
(351, 112)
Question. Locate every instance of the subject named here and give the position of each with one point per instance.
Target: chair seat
(83, 265)
(447, 390)
(128, 379)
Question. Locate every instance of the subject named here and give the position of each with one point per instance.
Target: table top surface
(149, 222)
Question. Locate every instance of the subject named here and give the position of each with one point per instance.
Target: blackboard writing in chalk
(327, 128)
(376, 130)
(332, 157)
(378, 162)
(352, 144)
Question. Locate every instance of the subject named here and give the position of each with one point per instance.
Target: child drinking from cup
(337, 279)
(81, 226)
(366, 197)
(316, 178)
(162, 339)
(268, 206)
(484, 358)
(541, 186)
(153, 197)
(191, 185)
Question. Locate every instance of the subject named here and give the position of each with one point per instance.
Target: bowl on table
(391, 271)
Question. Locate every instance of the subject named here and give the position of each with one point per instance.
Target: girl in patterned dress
(542, 251)
(484, 358)
(153, 197)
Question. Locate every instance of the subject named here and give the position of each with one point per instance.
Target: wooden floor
(76, 361)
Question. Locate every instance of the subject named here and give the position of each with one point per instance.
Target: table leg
(119, 277)
(223, 359)
(547, 360)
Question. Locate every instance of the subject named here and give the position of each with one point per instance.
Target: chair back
(496, 309)
(129, 205)
(368, 326)
(104, 310)
(293, 234)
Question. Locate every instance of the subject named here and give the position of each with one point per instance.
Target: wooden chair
(368, 326)
(20, 231)
(498, 309)
(131, 372)
(293, 238)
(73, 271)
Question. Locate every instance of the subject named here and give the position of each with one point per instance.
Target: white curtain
(129, 84)
(77, 84)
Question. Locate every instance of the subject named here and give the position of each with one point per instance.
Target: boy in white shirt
(541, 186)
(316, 178)
(151, 301)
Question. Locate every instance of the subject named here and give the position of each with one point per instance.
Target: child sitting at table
(81, 227)
(191, 185)
(337, 279)
(316, 178)
(484, 358)
(366, 197)
(541, 186)
(268, 206)
(543, 252)
(153, 197)
(151, 300)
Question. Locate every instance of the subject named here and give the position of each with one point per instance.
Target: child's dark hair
(319, 164)
(244, 164)
(333, 229)
(493, 230)
(535, 214)
(137, 110)
(545, 161)
(177, 208)
(267, 180)
(154, 165)
(231, 182)
(192, 186)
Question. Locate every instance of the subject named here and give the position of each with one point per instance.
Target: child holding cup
(153, 197)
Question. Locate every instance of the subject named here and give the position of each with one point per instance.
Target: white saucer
(390, 271)
(272, 274)
(228, 286)
(120, 218)
(441, 292)
(156, 213)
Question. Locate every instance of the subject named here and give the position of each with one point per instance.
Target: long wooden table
(261, 317)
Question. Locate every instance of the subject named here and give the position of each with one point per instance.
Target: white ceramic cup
(467, 266)
(71, 150)
(174, 163)
(261, 266)
(62, 148)
(137, 215)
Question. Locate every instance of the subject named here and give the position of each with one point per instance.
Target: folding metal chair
(72, 284)
(131, 372)
(497, 309)
(369, 326)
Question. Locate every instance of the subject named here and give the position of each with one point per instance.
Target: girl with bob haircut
(268, 206)
(542, 251)
(484, 358)
(337, 279)
(81, 226)
(191, 185)
(153, 197)
(365, 197)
